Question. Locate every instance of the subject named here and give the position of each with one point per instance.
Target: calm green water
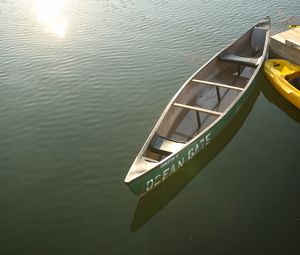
(82, 84)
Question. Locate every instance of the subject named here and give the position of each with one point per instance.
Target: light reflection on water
(51, 14)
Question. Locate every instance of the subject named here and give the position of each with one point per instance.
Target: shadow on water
(150, 203)
(277, 99)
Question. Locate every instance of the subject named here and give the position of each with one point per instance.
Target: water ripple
(76, 109)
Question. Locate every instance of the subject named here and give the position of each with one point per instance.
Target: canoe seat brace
(165, 145)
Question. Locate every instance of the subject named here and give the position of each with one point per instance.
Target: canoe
(201, 108)
(285, 77)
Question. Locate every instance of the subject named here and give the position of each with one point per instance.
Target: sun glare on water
(51, 14)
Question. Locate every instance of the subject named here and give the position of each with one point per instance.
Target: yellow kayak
(285, 77)
(293, 26)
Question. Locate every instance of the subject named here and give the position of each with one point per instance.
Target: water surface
(81, 85)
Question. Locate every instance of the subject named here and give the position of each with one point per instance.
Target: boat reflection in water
(153, 201)
(275, 98)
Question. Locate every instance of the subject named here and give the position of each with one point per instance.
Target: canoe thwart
(199, 109)
(217, 84)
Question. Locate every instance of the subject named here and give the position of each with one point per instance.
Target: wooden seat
(217, 84)
(195, 108)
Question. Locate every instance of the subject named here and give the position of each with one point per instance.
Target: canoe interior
(181, 124)
(183, 121)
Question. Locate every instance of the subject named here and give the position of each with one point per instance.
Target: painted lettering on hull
(165, 174)
(177, 163)
(203, 142)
